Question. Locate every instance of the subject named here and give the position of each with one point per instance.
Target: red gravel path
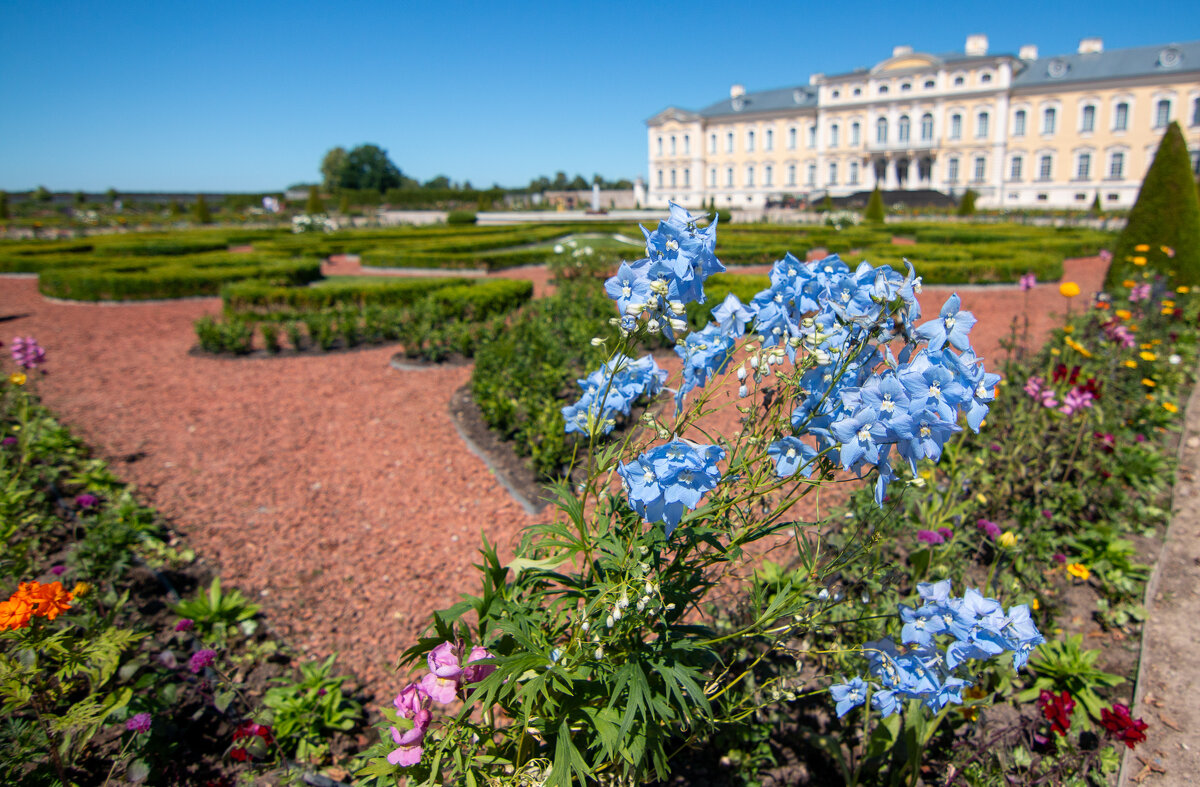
(334, 487)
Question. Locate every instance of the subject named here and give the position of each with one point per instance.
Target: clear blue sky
(248, 96)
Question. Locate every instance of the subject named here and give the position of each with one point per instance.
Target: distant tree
(42, 194)
(623, 183)
(1097, 208)
(80, 198)
(200, 212)
(369, 168)
(112, 195)
(827, 203)
(540, 184)
(577, 183)
(314, 204)
(560, 181)
(3, 204)
(966, 206)
(439, 182)
(1167, 213)
(467, 186)
(344, 203)
(175, 208)
(875, 212)
(332, 167)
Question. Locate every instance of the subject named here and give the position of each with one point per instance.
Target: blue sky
(248, 96)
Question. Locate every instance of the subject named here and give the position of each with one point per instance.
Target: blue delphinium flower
(922, 669)
(732, 316)
(951, 326)
(849, 695)
(792, 455)
(610, 390)
(704, 353)
(666, 481)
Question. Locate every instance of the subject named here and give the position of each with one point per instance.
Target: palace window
(687, 177)
(729, 177)
(712, 177)
(907, 86)
(857, 91)
(902, 129)
(672, 144)
(660, 178)
(834, 133)
(791, 139)
(1121, 117)
(981, 125)
(812, 175)
(1014, 172)
(854, 134)
(929, 84)
(1083, 166)
(812, 136)
(1195, 112)
(1116, 165)
(881, 130)
(980, 169)
(956, 126)
(768, 175)
(660, 148)
(1049, 120)
(1087, 123)
(985, 78)
(672, 178)
(952, 170)
(1162, 113)
(769, 142)
(687, 145)
(926, 127)
(750, 176)
(749, 141)
(729, 142)
(712, 143)
(833, 173)
(959, 81)
(853, 180)
(791, 175)
(1019, 123)
(883, 89)
(1045, 167)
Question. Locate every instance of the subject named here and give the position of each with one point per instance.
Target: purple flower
(86, 500)
(996, 447)
(409, 742)
(201, 659)
(946, 533)
(1027, 282)
(411, 699)
(1046, 512)
(477, 672)
(27, 353)
(930, 537)
(8, 441)
(1059, 557)
(139, 723)
(1140, 292)
(989, 528)
(185, 624)
(58, 570)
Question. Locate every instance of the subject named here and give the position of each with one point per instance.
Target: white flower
(558, 249)
(1174, 359)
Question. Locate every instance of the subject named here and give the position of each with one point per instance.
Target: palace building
(1022, 131)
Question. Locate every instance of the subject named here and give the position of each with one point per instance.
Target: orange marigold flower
(1167, 250)
(52, 600)
(1079, 571)
(1131, 364)
(1124, 314)
(1129, 284)
(1170, 407)
(1183, 289)
(1139, 260)
(1068, 289)
(1146, 381)
(1142, 247)
(14, 614)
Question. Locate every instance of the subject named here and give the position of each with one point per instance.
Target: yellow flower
(1069, 289)
(1079, 570)
(1146, 381)
(1139, 260)
(1129, 284)
(1155, 342)
(1169, 303)
(1149, 397)
(1145, 355)
(1131, 364)
(1142, 247)
(17, 378)
(1168, 310)
(1077, 347)
(81, 589)
(1167, 250)
(980, 497)
(1170, 407)
(1054, 351)
(1124, 314)
(1007, 539)
(1068, 329)
(1035, 605)
(1183, 289)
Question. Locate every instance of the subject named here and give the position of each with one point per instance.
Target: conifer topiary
(1167, 213)
(200, 211)
(3, 204)
(875, 212)
(966, 207)
(314, 205)
(1097, 208)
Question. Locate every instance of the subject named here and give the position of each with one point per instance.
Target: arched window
(881, 130)
(902, 128)
(955, 126)
(833, 135)
(1019, 123)
(672, 144)
(1162, 113)
(1049, 120)
(1116, 165)
(982, 121)
(1121, 117)
(1087, 122)
(926, 127)
(952, 170)
(855, 130)
(687, 145)
(769, 142)
(749, 141)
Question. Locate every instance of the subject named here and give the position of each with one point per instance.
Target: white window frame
(750, 141)
(1049, 121)
(1084, 126)
(1016, 165)
(983, 124)
(1020, 121)
(979, 169)
(956, 125)
(769, 139)
(927, 127)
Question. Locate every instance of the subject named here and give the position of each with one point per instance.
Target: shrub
(200, 212)
(966, 206)
(1167, 213)
(875, 212)
(140, 282)
(461, 217)
(256, 297)
(314, 204)
(270, 334)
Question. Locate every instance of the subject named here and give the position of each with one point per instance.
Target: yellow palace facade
(1022, 131)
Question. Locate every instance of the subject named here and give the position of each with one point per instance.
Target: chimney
(1091, 46)
(903, 49)
(737, 91)
(1028, 52)
(977, 45)
(816, 79)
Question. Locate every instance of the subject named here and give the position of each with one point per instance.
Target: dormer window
(858, 91)
(906, 87)
(985, 78)
(837, 94)
(929, 84)
(883, 89)
(959, 81)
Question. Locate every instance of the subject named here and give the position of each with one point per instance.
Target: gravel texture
(336, 488)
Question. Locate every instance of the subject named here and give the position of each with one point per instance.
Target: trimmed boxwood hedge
(255, 297)
(168, 281)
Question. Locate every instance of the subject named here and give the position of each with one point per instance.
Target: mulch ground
(335, 488)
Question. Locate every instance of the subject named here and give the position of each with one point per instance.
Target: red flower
(1122, 726)
(250, 740)
(1057, 710)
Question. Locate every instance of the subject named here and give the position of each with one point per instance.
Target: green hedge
(166, 281)
(486, 260)
(160, 247)
(255, 297)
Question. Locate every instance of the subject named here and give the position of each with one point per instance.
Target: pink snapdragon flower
(408, 749)
(27, 353)
(1027, 282)
(447, 674)
(1119, 334)
(1075, 400)
(1140, 292)
(989, 528)
(1033, 385)
(931, 537)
